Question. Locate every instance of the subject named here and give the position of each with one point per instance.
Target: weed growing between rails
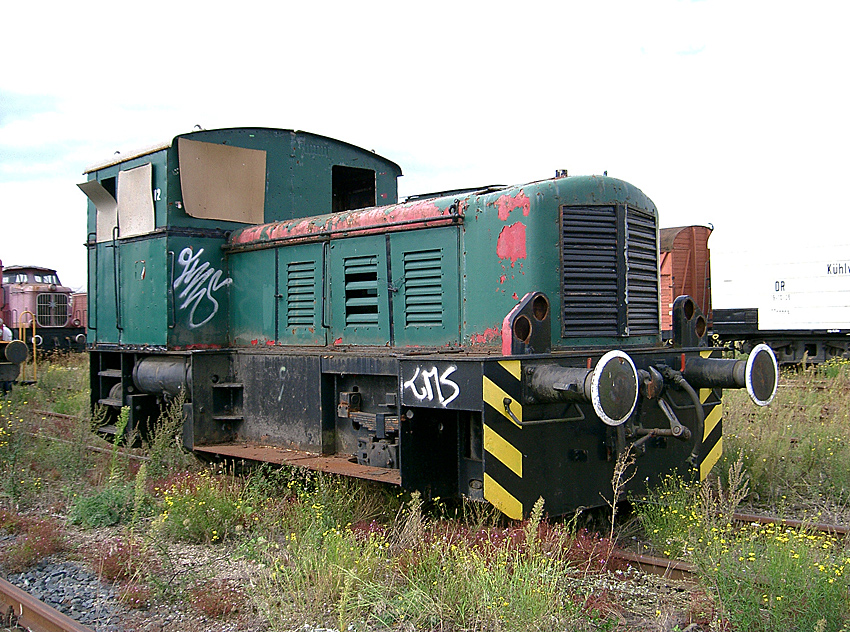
(417, 570)
(35, 539)
(762, 577)
(796, 451)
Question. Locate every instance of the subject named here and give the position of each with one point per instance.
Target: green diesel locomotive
(501, 344)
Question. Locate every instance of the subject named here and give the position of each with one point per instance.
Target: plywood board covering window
(106, 205)
(222, 182)
(135, 201)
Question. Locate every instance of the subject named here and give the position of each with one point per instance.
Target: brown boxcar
(684, 269)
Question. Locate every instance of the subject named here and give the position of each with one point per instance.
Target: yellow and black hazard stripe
(712, 436)
(503, 456)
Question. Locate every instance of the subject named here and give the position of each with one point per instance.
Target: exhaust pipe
(612, 386)
(759, 374)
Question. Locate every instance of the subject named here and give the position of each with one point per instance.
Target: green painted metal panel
(142, 292)
(103, 285)
(358, 288)
(425, 287)
(252, 318)
(300, 291)
(198, 292)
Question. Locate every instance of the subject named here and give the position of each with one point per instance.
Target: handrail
(21, 330)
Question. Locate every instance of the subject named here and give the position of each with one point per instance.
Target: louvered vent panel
(589, 264)
(642, 276)
(361, 291)
(423, 288)
(300, 293)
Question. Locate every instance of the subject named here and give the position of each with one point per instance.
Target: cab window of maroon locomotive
(352, 188)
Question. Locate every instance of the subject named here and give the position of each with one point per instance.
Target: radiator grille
(610, 273)
(590, 289)
(423, 288)
(300, 293)
(51, 310)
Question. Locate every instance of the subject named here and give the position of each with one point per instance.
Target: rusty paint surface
(331, 464)
(363, 221)
(511, 244)
(486, 336)
(508, 203)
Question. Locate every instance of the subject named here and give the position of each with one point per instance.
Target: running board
(331, 464)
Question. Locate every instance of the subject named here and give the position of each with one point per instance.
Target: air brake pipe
(679, 380)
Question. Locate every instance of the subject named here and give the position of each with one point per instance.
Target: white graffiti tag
(200, 281)
(426, 379)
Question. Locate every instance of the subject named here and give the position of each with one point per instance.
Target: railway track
(22, 610)
(93, 448)
(685, 571)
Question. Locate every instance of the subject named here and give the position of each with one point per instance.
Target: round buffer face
(16, 352)
(762, 375)
(614, 387)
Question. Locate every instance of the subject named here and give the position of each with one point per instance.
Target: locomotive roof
(151, 149)
(118, 157)
(28, 269)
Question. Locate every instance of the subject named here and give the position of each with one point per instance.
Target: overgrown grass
(796, 452)
(763, 577)
(424, 572)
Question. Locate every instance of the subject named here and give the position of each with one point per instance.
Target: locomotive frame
(500, 343)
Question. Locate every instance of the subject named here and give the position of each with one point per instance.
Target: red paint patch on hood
(491, 333)
(507, 203)
(511, 244)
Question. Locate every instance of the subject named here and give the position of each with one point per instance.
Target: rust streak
(364, 221)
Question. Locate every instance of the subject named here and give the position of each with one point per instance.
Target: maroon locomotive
(33, 292)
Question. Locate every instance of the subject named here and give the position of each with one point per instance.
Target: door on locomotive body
(300, 308)
(401, 288)
(425, 287)
(358, 291)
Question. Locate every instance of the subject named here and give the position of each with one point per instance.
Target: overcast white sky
(730, 113)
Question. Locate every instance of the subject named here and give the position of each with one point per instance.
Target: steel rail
(667, 568)
(24, 610)
(816, 526)
(92, 448)
(685, 571)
